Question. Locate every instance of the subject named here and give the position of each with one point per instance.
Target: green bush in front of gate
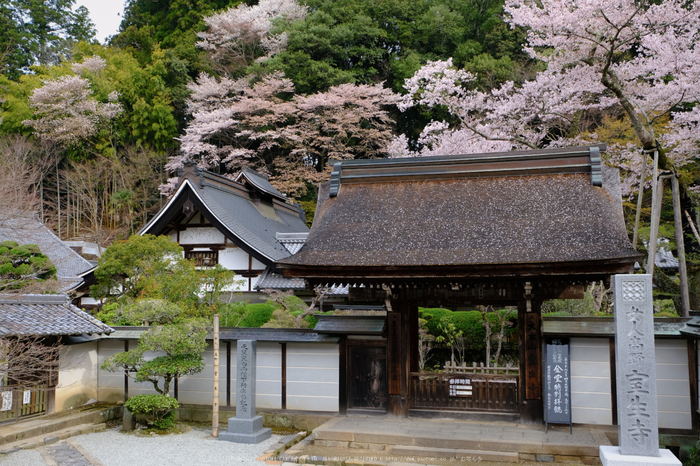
(469, 322)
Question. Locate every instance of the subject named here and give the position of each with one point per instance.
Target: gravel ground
(22, 458)
(113, 448)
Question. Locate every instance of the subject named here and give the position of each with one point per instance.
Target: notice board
(557, 383)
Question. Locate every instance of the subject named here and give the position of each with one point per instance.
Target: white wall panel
(591, 401)
(672, 385)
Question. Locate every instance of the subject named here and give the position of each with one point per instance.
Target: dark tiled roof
(350, 325)
(692, 327)
(292, 241)
(260, 182)
(45, 315)
(28, 230)
(270, 280)
(413, 219)
(231, 207)
(232, 334)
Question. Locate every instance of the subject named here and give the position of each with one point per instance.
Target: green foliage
(147, 267)
(158, 409)
(182, 344)
(467, 322)
(213, 281)
(22, 264)
(365, 41)
(664, 308)
(143, 312)
(694, 456)
(289, 311)
(464, 331)
(36, 32)
(569, 307)
(256, 315)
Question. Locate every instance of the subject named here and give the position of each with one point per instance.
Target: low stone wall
(297, 421)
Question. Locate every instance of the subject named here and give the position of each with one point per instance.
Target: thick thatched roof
(544, 212)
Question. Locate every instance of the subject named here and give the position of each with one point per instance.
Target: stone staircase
(428, 441)
(45, 430)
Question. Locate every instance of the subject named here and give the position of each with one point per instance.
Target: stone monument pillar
(245, 427)
(637, 414)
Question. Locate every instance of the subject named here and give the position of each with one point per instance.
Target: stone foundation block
(611, 456)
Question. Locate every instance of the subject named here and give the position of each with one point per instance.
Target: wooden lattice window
(203, 258)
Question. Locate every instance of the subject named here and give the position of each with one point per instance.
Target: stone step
(43, 426)
(389, 442)
(416, 435)
(457, 455)
(52, 437)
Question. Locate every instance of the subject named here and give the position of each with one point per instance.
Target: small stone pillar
(245, 427)
(635, 359)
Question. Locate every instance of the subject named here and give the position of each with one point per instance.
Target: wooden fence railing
(481, 369)
(16, 403)
(464, 392)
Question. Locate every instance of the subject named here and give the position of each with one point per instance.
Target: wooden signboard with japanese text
(557, 383)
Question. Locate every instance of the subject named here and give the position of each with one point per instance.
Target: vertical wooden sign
(533, 356)
(215, 401)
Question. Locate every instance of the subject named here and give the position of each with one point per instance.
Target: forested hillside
(96, 133)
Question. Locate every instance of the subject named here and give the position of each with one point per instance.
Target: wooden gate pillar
(399, 356)
(531, 341)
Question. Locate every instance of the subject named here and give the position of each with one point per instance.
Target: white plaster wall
(312, 376)
(110, 386)
(88, 301)
(257, 264)
(201, 235)
(173, 236)
(591, 401)
(672, 384)
(234, 258)
(77, 376)
(198, 388)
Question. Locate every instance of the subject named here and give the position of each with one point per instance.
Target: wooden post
(530, 329)
(655, 219)
(215, 401)
(640, 195)
(680, 246)
(692, 225)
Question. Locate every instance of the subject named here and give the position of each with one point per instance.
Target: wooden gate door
(367, 377)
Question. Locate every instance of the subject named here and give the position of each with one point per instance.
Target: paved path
(66, 454)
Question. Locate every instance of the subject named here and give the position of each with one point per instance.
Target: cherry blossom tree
(240, 35)
(635, 59)
(235, 124)
(66, 111)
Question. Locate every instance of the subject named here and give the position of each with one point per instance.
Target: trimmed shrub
(156, 409)
(258, 315)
